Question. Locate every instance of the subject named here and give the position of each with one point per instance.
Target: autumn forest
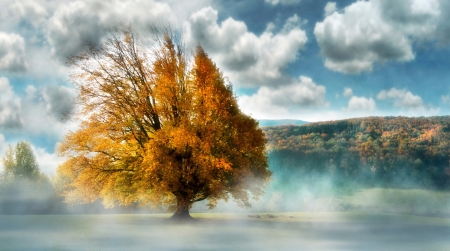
(391, 152)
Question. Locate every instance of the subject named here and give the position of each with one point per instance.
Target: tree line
(374, 151)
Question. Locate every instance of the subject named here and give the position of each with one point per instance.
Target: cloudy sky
(311, 60)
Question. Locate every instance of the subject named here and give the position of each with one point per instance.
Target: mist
(140, 232)
(306, 207)
(309, 213)
(324, 194)
(293, 189)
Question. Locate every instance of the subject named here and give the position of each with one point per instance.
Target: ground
(284, 231)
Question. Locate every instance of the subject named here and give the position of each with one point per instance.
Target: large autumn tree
(159, 127)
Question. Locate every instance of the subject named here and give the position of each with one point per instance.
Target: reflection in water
(143, 232)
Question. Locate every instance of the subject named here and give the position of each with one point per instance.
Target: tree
(20, 164)
(159, 128)
(24, 189)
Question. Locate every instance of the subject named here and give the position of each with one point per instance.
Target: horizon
(362, 117)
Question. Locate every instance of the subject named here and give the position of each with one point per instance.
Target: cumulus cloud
(442, 27)
(181, 10)
(300, 95)
(6, 90)
(10, 107)
(283, 2)
(45, 108)
(353, 41)
(38, 111)
(248, 59)
(59, 101)
(376, 31)
(30, 13)
(408, 103)
(31, 91)
(361, 104)
(347, 92)
(416, 18)
(402, 98)
(77, 24)
(330, 8)
(12, 52)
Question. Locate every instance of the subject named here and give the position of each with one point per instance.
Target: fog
(145, 232)
(297, 212)
(286, 193)
(316, 217)
(321, 193)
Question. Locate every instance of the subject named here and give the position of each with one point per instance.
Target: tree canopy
(159, 127)
(23, 188)
(20, 164)
(375, 151)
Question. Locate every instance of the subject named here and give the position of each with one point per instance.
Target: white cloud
(10, 107)
(44, 109)
(445, 99)
(416, 18)
(361, 104)
(77, 24)
(182, 10)
(6, 90)
(59, 101)
(31, 91)
(48, 162)
(283, 2)
(29, 12)
(442, 27)
(292, 23)
(347, 92)
(353, 41)
(270, 102)
(12, 52)
(408, 103)
(330, 8)
(39, 112)
(402, 98)
(376, 31)
(247, 59)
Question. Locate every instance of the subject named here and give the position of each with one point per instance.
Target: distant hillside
(268, 122)
(373, 151)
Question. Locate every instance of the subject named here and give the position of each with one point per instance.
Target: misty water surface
(143, 232)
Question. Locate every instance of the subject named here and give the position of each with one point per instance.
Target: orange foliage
(159, 129)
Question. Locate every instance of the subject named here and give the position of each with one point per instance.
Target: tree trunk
(182, 213)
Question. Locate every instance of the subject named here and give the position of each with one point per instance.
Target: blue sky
(311, 60)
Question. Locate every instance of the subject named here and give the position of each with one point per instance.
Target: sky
(310, 60)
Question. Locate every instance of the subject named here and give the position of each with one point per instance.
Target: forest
(389, 152)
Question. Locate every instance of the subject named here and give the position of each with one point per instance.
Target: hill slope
(373, 151)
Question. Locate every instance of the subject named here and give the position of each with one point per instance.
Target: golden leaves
(157, 128)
